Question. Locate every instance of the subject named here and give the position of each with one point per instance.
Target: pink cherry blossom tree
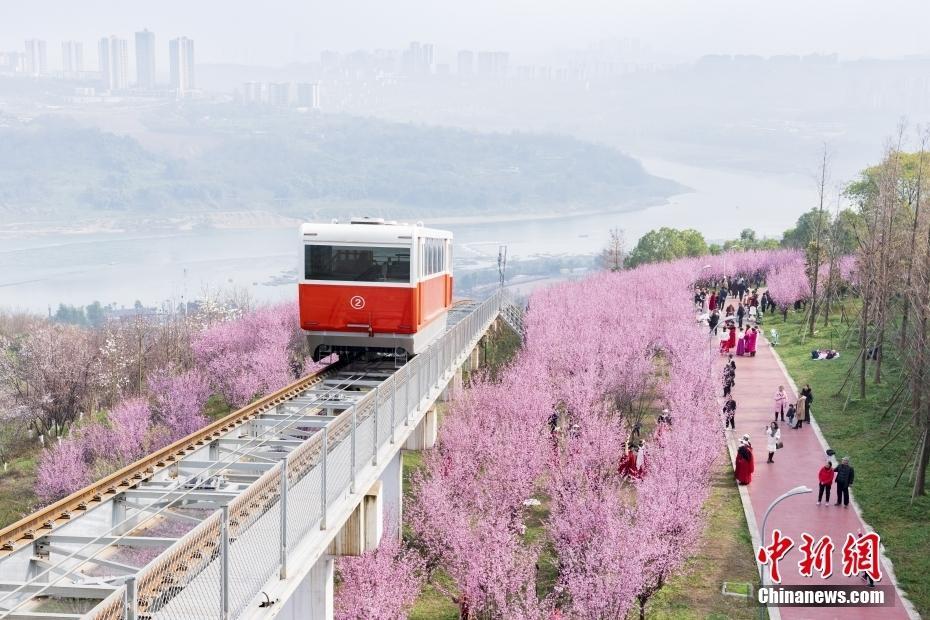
(63, 469)
(178, 401)
(381, 584)
(250, 355)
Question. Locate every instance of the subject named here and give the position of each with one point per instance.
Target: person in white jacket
(772, 439)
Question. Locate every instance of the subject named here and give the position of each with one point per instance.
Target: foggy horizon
(681, 31)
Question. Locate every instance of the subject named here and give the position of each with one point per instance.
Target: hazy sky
(278, 31)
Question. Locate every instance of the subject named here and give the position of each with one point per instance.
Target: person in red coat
(744, 463)
(731, 340)
(712, 302)
(825, 478)
(628, 461)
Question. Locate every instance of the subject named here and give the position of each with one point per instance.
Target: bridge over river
(243, 519)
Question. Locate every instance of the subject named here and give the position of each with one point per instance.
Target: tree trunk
(879, 354)
(920, 479)
(863, 344)
(815, 276)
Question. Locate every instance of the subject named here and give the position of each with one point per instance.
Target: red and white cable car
(372, 285)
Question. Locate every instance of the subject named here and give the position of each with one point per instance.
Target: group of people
(743, 343)
(750, 306)
(797, 413)
(843, 475)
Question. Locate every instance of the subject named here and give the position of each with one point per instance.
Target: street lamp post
(795, 491)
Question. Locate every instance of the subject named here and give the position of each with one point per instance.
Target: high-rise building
(103, 61)
(36, 57)
(72, 58)
(252, 92)
(308, 95)
(493, 63)
(113, 61)
(145, 60)
(181, 51)
(119, 64)
(279, 93)
(417, 59)
(466, 62)
(12, 62)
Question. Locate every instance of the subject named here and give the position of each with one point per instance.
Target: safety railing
(511, 311)
(218, 568)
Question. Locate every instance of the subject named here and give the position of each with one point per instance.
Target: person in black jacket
(713, 321)
(845, 475)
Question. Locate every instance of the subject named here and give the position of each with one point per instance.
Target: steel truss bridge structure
(243, 518)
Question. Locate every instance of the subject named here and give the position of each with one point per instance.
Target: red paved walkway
(796, 464)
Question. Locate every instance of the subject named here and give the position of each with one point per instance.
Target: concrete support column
(321, 589)
(474, 360)
(373, 511)
(351, 537)
(392, 496)
(423, 436)
(453, 388)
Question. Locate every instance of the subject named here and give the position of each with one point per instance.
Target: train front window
(357, 263)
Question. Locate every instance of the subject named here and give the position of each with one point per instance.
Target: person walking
(845, 475)
(825, 479)
(729, 413)
(801, 411)
(772, 440)
(740, 314)
(781, 398)
(713, 321)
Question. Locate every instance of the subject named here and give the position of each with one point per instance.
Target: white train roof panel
(368, 233)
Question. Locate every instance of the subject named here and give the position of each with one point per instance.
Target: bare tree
(614, 254)
(816, 243)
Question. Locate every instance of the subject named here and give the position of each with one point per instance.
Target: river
(39, 272)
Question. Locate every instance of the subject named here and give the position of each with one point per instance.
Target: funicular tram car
(371, 286)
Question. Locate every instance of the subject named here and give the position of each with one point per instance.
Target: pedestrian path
(796, 464)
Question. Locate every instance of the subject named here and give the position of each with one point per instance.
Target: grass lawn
(17, 497)
(861, 433)
(725, 554)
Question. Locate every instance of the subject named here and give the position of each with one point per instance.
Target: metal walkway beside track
(242, 518)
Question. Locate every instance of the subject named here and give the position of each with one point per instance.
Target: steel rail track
(45, 520)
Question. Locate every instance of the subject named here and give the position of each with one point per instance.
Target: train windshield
(357, 263)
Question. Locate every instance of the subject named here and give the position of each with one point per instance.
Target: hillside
(290, 164)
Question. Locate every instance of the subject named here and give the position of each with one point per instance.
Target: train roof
(368, 230)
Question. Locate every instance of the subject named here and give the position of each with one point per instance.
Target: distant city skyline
(681, 30)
